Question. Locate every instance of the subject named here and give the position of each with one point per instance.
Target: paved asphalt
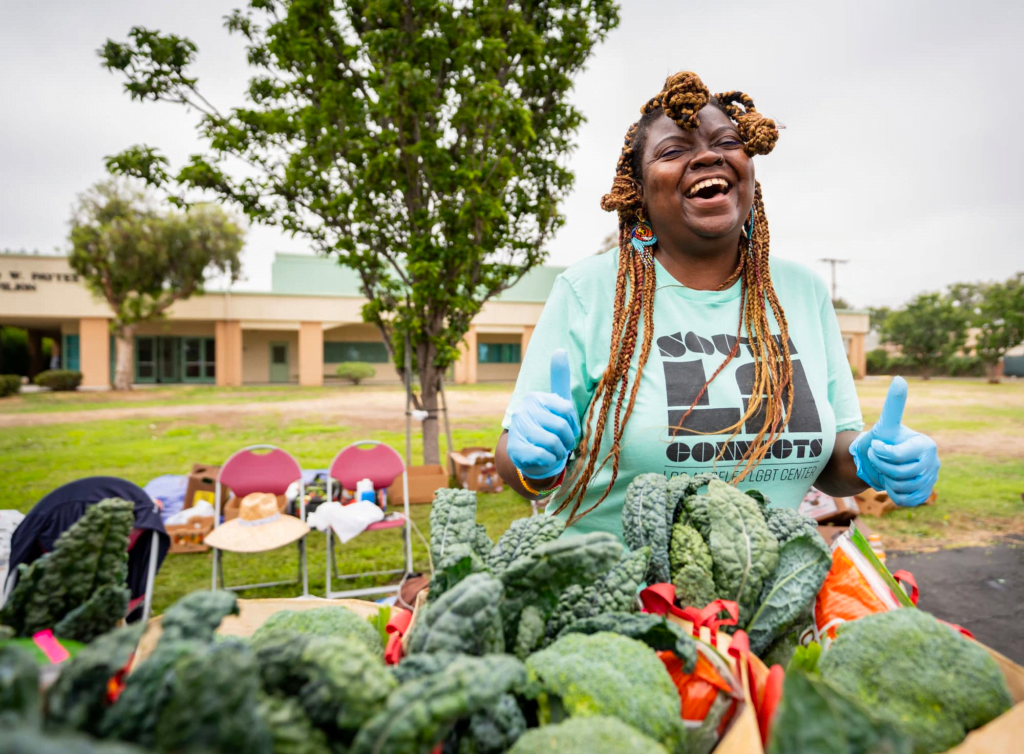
(980, 588)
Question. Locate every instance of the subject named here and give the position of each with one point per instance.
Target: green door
(198, 360)
(169, 351)
(279, 362)
(145, 359)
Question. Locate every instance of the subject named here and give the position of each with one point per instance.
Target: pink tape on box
(50, 647)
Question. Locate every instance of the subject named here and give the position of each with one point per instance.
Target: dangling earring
(748, 231)
(643, 238)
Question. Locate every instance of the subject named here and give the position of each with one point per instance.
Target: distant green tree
(840, 303)
(877, 315)
(423, 144)
(929, 330)
(998, 322)
(142, 260)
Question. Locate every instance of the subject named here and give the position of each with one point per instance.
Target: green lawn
(979, 429)
(174, 395)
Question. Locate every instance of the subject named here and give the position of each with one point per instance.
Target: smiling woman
(753, 382)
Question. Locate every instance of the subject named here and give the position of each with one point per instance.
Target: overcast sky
(902, 150)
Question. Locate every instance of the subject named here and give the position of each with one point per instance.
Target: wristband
(541, 493)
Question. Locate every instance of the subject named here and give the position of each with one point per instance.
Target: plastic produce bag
(858, 584)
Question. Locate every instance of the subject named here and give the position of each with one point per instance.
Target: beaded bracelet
(541, 493)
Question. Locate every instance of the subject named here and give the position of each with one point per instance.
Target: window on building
(498, 353)
(336, 352)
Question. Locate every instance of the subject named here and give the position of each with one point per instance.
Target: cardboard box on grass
(202, 483)
(826, 509)
(469, 466)
(251, 615)
(189, 536)
(876, 503)
(424, 481)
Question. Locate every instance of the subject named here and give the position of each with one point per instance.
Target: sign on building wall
(16, 280)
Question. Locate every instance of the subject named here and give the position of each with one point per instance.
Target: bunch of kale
(726, 544)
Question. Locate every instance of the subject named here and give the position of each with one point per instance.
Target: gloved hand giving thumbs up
(896, 459)
(545, 427)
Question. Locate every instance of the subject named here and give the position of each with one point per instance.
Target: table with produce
(722, 625)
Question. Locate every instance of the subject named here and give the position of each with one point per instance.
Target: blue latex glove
(896, 459)
(545, 427)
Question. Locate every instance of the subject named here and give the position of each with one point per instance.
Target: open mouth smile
(710, 188)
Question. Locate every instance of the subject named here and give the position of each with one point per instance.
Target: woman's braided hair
(681, 99)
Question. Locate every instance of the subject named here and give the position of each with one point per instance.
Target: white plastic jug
(364, 491)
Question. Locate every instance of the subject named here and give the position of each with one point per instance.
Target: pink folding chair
(381, 464)
(246, 472)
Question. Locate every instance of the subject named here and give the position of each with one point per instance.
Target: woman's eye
(730, 142)
(673, 152)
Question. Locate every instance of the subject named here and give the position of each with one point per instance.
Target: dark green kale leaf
(77, 700)
(91, 554)
(20, 704)
(464, 619)
(452, 521)
(422, 713)
(645, 522)
(521, 538)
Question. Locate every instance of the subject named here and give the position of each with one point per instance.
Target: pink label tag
(52, 648)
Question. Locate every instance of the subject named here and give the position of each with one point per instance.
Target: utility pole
(833, 262)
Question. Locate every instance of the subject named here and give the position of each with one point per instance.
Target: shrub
(59, 379)
(965, 366)
(877, 361)
(855, 372)
(355, 371)
(10, 384)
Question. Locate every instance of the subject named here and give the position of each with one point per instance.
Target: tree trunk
(992, 372)
(925, 375)
(125, 369)
(428, 399)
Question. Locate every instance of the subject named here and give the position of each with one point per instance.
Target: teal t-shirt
(693, 333)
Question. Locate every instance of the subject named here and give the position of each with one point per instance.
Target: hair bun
(624, 196)
(759, 133)
(682, 96)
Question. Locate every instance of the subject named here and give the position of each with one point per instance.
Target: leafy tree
(840, 303)
(421, 142)
(998, 322)
(930, 329)
(877, 315)
(142, 260)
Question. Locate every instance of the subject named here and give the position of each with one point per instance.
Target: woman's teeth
(720, 183)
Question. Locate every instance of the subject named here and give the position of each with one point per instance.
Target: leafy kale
(786, 523)
(909, 669)
(422, 712)
(745, 553)
(605, 674)
(804, 562)
(90, 555)
(460, 561)
(196, 616)
(493, 730)
(679, 489)
(645, 522)
(93, 617)
(521, 538)
(615, 592)
(290, 728)
(452, 521)
(78, 698)
(19, 688)
(593, 735)
(464, 619)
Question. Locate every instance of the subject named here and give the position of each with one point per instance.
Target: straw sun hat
(260, 526)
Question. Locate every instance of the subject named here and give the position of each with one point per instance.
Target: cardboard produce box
(475, 470)
(424, 481)
(188, 537)
(251, 615)
(202, 483)
(826, 509)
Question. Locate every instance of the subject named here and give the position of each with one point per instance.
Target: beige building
(297, 333)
